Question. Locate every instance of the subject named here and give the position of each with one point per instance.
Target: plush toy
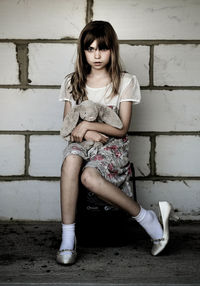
(88, 111)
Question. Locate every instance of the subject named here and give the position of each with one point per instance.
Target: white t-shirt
(129, 90)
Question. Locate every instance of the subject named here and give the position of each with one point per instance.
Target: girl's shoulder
(67, 80)
(126, 78)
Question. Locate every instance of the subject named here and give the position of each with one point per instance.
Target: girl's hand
(79, 132)
(95, 136)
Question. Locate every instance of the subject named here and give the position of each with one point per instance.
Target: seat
(99, 222)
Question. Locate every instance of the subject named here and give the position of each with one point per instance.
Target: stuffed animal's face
(89, 111)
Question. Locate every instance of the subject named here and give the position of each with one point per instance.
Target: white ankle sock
(68, 236)
(149, 221)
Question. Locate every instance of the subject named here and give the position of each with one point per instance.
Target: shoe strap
(158, 240)
(69, 250)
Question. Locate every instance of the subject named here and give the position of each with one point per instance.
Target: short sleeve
(64, 93)
(131, 91)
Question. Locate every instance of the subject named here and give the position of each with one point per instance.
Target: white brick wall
(44, 19)
(46, 155)
(183, 195)
(151, 19)
(8, 64)
(177, 65)
(49, 63)
(163, 110)
(140, 154)
(135, 60)
(33, 109)
(177, 155)
(12, 155)
(32, 200)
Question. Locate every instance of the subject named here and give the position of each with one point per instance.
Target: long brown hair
(106, 37)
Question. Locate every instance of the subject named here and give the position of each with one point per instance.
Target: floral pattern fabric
(110, 159)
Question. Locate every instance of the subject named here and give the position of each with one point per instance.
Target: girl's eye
(90, 49)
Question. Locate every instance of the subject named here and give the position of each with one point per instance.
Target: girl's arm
(66, 108)
(90, 135)
(125, 116)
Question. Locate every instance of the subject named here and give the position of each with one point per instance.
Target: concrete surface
(118, 256)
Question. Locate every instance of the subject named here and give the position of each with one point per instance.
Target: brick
(8, 63)
(151, 19)
(163, 110)
(46, 155)
(183, 195)
(177, 155)
(135, 60)
(29, 200)
(12, 155)
(49, 63)
(173, 67)
(44, 19)
(32, 109)
(139, 150)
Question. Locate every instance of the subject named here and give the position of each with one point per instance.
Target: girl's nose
(97, 54)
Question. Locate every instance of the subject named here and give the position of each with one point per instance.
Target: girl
(99, 77)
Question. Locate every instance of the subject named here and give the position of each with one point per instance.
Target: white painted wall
(166, 143)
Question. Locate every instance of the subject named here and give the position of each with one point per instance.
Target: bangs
(102, 41)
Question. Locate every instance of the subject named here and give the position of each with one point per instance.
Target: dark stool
(97, 222)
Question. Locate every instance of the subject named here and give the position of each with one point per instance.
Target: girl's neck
(98, 73)
(98, 78)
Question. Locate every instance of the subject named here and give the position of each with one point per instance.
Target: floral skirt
(110, 159)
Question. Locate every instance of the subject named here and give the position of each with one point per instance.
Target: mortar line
(89, 11)
(27, 86)
(152, 160)
(22, 60)
(124, 41)
(27, 154)
(151, 66)
(138, 178)
(131, 133)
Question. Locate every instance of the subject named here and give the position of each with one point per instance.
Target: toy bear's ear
(109, 116)
(70, 121)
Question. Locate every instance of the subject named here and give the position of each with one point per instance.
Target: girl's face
(97, 59)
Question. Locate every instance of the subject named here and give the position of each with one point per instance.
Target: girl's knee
(89, 177)
(71, 165)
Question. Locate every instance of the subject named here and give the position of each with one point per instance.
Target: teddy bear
(89, 111)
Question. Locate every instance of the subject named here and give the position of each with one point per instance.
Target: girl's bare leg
(92, 180)
(69, 187)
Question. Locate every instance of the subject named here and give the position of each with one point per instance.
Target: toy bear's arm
(70, 121)
(109, 116)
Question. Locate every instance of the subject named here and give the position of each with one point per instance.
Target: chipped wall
(159, 43)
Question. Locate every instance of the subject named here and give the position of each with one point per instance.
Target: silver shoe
(165, 209)
(69, 258)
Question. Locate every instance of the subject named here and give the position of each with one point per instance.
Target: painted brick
(151, 19)
(162, 110)
(139, 150)
(29, 200)
(8, 63)
(32, 109)
(183, 195)
(45, 19)
(46, 155)
(178, 155)
(49, 63)
(12, 155)
(39, 200)
(173, 67)
(135, 60)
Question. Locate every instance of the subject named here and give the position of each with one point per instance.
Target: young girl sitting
(99, 77)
